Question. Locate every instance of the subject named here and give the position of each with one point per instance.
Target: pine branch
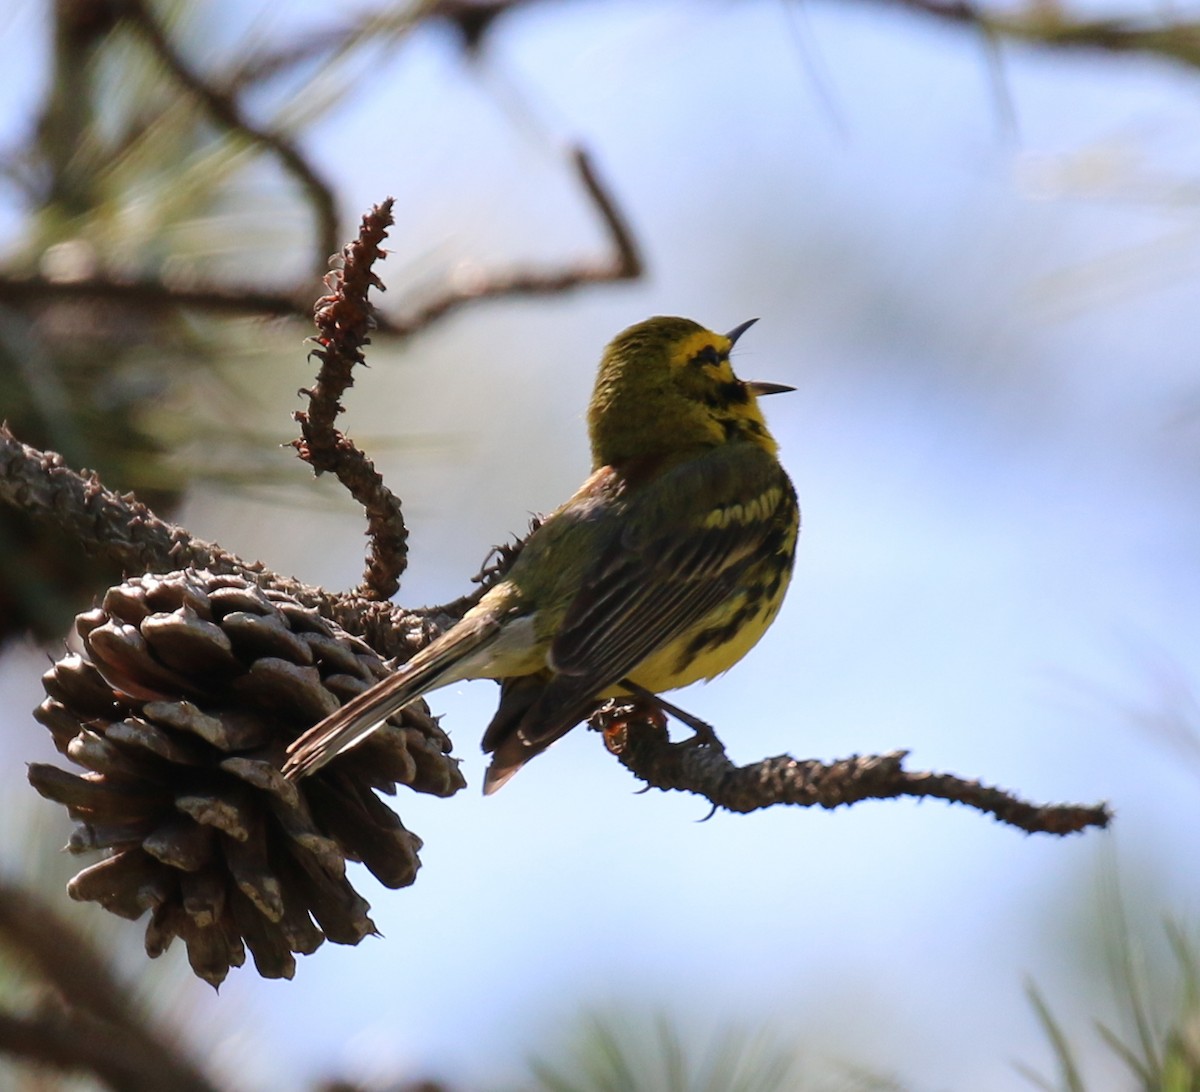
(642, 746)
(119, 526)
(344, 319)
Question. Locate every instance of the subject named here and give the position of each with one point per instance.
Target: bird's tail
(446, 660)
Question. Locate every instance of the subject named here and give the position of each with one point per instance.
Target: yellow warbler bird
(666, 566)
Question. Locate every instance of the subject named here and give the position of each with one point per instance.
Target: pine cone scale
(192, 686)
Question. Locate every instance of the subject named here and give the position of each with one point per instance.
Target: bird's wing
(684, 545)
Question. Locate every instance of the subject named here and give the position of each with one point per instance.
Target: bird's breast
(712, 646)
(726, 633)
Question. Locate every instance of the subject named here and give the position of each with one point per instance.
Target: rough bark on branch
(344, 320)
(119, 526)
(642, 746)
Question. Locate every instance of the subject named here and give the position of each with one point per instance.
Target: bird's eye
(707, 355)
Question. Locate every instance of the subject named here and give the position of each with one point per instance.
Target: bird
(666, 566)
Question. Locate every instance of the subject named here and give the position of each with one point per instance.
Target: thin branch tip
(646, 751)
(344, 319)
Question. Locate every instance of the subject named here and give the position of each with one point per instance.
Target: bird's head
(666, 387)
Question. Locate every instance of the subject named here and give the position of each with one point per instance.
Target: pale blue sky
(995, 439)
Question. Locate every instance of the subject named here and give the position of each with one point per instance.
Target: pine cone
(196, 684)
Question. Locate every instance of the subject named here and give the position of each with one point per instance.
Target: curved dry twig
(624, 263)
(225, 111)
(643, 747)
(344, 320)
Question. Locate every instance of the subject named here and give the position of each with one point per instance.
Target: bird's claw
(702, 736)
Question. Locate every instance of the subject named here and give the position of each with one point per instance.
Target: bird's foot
(703, 736)
(615, 728)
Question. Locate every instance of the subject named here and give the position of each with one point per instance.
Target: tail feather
(535, 711)
(505, 763)
(446, 660)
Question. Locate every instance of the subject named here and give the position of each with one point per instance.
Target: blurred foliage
(125, 175)
(133, 179)
(115, 178)
(629, 1054)
(1156, 1040)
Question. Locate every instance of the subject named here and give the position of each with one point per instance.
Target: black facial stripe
(733, 393)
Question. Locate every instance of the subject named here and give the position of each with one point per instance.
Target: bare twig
(642, 745)
(471, 19)
(344, 318)
(625, 262)
(152, 293)
(1048, 25)
(149, 292)
(224, 109)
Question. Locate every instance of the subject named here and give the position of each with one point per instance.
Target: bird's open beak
(759, 389)
(753, 386)
(737, 331)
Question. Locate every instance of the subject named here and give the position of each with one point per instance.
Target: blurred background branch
(84, 296)
(171, 194)
(1163, 32)
(84, 1018)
